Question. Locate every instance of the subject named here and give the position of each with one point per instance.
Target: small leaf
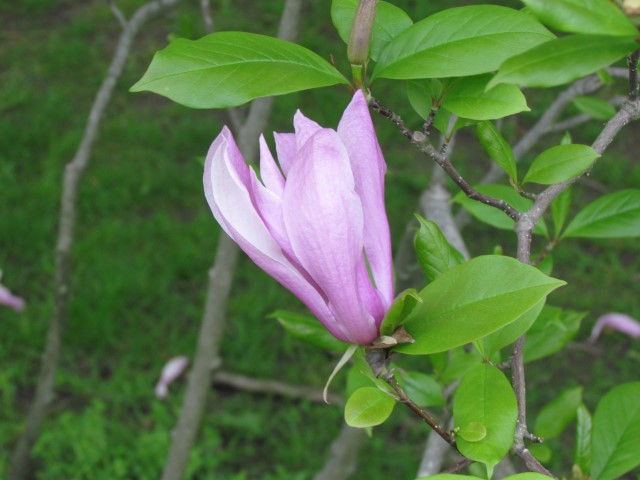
(563, 60)
(368, 407)
(473, 300)
(558, 414)
(423, 389)
(582, 16)
(553, 329)
(468, 98)
(226, 69)
(582, 455)
(472, 432)
(435, 254)
(497, 148)
(527, 476)
(423, 94)
(389, 22)
(459, 362)
(438, 46)
(611, 216)
(566, 139)
(447, 123)
(450, 476)
(309, 330)
(560, 163)
(616, 432)
(485, 397)
(560, 210)
(594, 107)
(403, 304)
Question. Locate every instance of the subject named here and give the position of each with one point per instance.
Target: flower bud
(360, 38)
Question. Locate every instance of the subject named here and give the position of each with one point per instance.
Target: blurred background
(146, 238)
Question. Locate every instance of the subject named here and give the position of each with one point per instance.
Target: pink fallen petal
(616, 321)
(10, 300)
(170, 372)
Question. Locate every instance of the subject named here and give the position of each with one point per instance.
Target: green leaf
(594, 107)
(403, 304)
(450, 476)
(435, 254)
(560, 163)
(423, 94)
(510, 333)
(472, 432)
(309, 330)
(553, 329)
(459, 362)
(447, 123)
(497, 148)
(423, 389)
(560, 210)
(566, 139)
(226, 69)
(582, 455)
(582, 16)
(389, 22)
(368, 407)
(616, 432)
(563, 60)
(494, 217)
(527, 476)
(485, 397)
(468, 98)
(558, 414)
(473, 300)
(460, 42)
(611, 216)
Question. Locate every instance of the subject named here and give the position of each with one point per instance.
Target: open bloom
(10, 300)
(318, 223)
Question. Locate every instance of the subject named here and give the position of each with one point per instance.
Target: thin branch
(205, 8)
(118, 14)
(421, 142)
(74, 170)
(249, 384)
(390, 378)
(461, 465)
(343, 455)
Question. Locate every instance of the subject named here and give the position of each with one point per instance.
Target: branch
(633, 75)
(343, 455)
(74, 170)
(218, 289)
(242, 382)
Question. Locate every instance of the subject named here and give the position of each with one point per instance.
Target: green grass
(145, 240)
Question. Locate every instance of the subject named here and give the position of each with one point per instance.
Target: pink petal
(170, 372)
(324, 220)
(616, 321)
(368, 166)
(286, 150)
(227, 184)
(269, 171)
(10, 300)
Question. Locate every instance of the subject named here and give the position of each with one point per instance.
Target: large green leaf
(497, 148)
(485, 399)
(616, 432)
(610, 216)
(563, 60)
(460, 42)
(423, 94)
(390, 21)
(467, 98)
(582, 16)
(309, 330)
(510, 333)
(552, 330)
(560, 163)
(494, 217)
(558, 414)
(231, 68)
(435, 254)
(473, 300)
(423, 389)
(560, 210)
(368, 407)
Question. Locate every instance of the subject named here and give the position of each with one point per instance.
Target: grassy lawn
(145, 240)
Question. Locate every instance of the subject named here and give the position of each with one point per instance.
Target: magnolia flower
(616, 321)
(170, 372)
(10, 300)
(318, 223)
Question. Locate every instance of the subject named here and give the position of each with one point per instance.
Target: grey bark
(343, 455)
(20, 460)
(218, 289)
